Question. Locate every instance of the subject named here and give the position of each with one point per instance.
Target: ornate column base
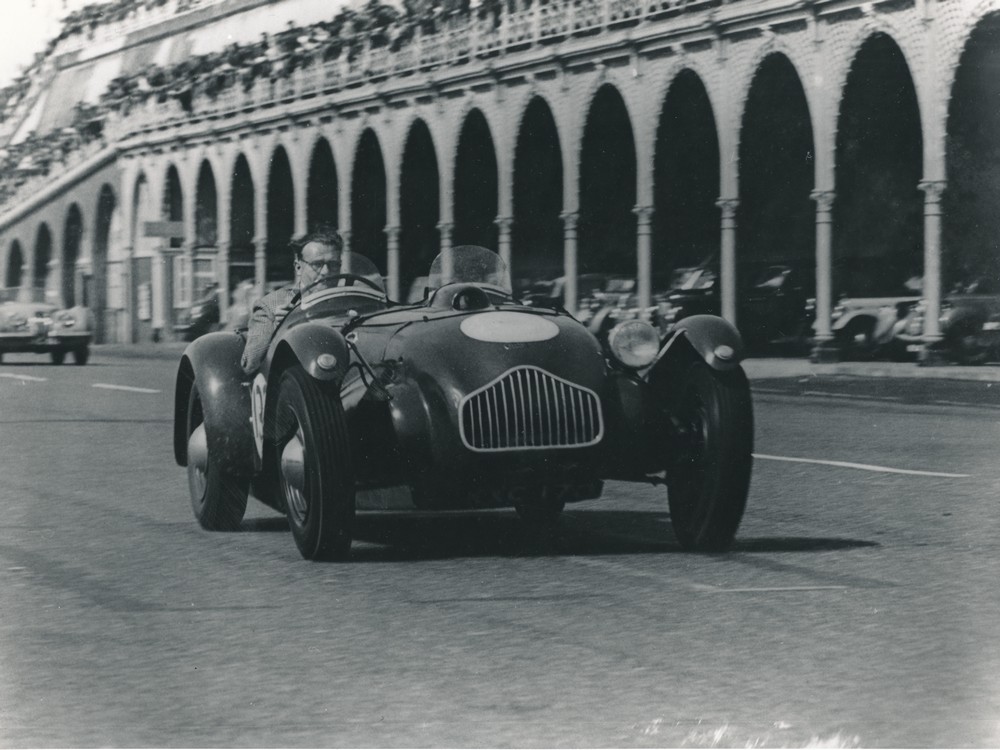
(932, 355)
(825, 352)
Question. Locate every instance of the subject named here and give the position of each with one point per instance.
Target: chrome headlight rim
(634, 343)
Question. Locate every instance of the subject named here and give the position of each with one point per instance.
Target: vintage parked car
(32, 321)
(865, 327)
(467, 399)
(969, 323)
(201, 317)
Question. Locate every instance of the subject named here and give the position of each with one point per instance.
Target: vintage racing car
(30, 321)
(465, 399)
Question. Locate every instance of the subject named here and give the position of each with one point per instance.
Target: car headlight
(837, 312)
(634, 343)
(68, 319)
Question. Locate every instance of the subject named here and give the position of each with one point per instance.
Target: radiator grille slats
(529, 408)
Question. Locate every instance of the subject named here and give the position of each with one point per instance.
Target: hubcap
(293, 475)
(197, 455)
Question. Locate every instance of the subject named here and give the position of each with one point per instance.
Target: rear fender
(213, 362)
(713, 339)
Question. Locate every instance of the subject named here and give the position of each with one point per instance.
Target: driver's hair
(324, 234)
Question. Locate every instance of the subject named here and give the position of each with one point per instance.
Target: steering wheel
(353, 277)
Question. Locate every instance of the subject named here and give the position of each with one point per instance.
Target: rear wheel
(81, 354)
(315, 469)
(58, 356)
(217, 499)
(708, 475)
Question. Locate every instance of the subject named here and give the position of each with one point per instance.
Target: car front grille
(528, 408)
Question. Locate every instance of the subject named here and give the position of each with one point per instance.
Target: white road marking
(131, 388)
(18, 376)
(830, 394)
(757, 389)
(865, 467)
(757, 589)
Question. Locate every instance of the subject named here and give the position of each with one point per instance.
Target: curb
(756, 368)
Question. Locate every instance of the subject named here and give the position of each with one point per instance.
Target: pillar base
(931, 355)
(825, 352)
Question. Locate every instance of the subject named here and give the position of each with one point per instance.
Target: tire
(857, 339)
(965, 347)
(58, 356)
(81, 355)
(540, 512)
(218, 499)
(315, 469)
(708, 474)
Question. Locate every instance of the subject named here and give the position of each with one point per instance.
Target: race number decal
(257, 392)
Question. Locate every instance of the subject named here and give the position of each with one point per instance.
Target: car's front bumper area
(41, 343)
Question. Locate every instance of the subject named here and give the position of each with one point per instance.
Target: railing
(36, 183)
(140, 18)
(460, 41)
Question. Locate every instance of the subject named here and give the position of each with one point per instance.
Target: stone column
(933, 189)
(504, 224)
(824, 349)
(392, 260)
(570, 271)
(222, 277)
(727, 263)
(259, 265)
(345, 235)
(644, 257)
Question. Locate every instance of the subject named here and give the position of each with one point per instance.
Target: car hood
(27, 309)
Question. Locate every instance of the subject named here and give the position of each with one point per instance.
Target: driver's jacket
(267, 314)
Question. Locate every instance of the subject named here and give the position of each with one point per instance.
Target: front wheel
(80, 355)
(708, 474)
(218, 499)
(58, 356)
(315, 469)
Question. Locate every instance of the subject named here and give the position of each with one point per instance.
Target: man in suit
(316, 255)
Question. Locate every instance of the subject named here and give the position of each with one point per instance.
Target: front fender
(714, 339)
(213, 362)
(305, 342)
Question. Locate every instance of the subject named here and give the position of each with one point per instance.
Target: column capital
(728, 206)
(932, 189)
(645, 213)
(824, 199)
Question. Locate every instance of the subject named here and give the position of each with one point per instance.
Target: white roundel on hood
(509, 327)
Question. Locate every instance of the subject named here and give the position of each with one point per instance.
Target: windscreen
(469, 263)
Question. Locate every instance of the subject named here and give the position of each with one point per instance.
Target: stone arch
(419, 202)
(280, 209)
(242, 221)
(686, 176)
(369, 197)
(206, 207)
(607, 186)
(322, 199)
(96, 287)
(537, 236)
(72, 241)
(14, 273)
(42, 257)
(476, 193)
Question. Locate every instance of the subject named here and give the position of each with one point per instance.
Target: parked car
(465, 400)
(969, 323)
(866, 327)
(32, 321)
(779, 307)
(201, 317)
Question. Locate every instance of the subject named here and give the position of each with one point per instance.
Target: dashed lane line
(19, 376)
(863, 467)
(130, 388)
(831, 394)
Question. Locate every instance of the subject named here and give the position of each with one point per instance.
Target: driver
(316, 255)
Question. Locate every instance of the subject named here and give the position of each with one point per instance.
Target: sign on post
(171, 229)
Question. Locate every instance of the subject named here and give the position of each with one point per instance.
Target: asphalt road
(860, 606)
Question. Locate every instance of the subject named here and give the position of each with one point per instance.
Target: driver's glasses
(318, 265)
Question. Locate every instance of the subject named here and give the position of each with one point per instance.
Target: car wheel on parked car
(58, 356)
(965, 346)
(315, 468)
(708, 476)
(81, 355)
(217, 499)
